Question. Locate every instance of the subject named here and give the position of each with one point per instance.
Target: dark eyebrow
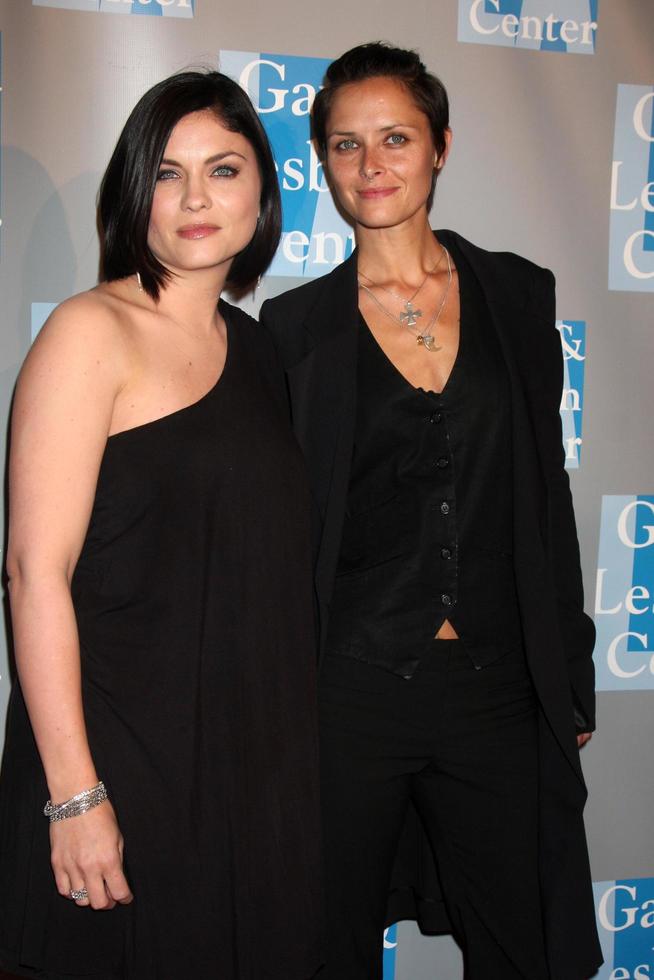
(216, 158)
(382, 129)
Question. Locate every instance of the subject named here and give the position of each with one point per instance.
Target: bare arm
(62, 414)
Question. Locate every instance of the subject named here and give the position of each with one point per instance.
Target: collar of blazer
(334, 306)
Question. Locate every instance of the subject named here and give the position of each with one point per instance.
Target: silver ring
(78, 893)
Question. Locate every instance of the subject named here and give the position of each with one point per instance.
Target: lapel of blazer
(322, 386)
(508, 316)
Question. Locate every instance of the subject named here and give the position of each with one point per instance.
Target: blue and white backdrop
(553, 157)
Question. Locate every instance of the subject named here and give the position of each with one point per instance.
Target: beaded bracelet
(77, 804)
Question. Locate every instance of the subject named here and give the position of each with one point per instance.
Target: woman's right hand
(87, 852)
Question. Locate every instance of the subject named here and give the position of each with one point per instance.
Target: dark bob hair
(127, 188)
(381, 60)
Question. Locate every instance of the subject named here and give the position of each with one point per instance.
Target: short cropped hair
(127, 189)
(378, 59)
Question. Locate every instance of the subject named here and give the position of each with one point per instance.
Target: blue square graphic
(631, 232)
(625, 922)
(390, 950)
(624, 594)
(565, 26)
(315, 238)
(146, 8)
(573, 344)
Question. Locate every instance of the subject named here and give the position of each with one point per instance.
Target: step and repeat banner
(553, 157)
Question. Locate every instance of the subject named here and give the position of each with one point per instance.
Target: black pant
(461, 744)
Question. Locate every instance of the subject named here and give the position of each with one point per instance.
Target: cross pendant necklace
(410, 315)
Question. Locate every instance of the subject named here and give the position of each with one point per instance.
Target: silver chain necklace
(409, 318)
(410, 314)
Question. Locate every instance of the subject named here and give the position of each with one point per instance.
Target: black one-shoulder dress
(194, 608)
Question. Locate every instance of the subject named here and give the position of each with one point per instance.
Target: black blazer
(315, 331)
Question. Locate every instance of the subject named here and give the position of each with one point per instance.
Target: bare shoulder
(92, 317)
(88, 336)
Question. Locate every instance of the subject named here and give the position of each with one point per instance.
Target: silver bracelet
(77, 804)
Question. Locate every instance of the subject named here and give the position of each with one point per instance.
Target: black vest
(428, 525)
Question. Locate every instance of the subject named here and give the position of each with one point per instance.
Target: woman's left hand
(583, 738)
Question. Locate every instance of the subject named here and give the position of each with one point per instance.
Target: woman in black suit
(456, 681)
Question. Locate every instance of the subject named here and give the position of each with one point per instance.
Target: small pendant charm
(426, 341)
(410, 315)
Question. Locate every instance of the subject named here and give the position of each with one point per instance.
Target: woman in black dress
(160, 589)
(425, 375)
